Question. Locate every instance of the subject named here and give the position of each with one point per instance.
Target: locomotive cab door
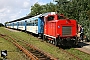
(49, 25)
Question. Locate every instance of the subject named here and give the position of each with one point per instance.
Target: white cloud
(2, 10)
(13, 9)
(26, 4)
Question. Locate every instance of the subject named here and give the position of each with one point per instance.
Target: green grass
(79, 54)
(54, 51)
(12, 52)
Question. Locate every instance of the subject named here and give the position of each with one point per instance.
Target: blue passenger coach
(35, 25)
(30, 24)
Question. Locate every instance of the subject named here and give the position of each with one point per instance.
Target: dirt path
(85, 47)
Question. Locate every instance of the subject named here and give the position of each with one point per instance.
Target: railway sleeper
(39, 54)
(35, 51)
(44, 59)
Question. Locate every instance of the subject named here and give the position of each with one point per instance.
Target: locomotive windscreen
(66, 30)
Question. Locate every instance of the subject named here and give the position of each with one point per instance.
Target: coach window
(27, 24)
(36, 22)
(18, 23)
(33, 24)
(23, 23)
(30, 23)
(14, 24)
(50, 18)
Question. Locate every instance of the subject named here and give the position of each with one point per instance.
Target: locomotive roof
(45, 14)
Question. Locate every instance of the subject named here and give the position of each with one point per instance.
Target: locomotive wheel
(47, 41)
(76, 41)
(55, 42)
(51, 41)
(45, 38)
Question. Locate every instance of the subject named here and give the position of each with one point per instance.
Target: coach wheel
(45, 38)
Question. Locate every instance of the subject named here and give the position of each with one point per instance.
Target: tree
(88, 13)
(1, 25)
(50, 7)
(36, 9)
(39, 9)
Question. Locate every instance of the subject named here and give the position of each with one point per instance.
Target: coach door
(41, 24)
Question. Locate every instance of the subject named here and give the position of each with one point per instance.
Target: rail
(34, 53)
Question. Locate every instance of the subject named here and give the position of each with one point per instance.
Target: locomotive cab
(59, 30)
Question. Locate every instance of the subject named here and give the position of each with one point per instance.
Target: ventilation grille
(66, 30)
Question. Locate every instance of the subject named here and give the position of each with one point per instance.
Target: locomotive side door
(54, 29)
(50, 25)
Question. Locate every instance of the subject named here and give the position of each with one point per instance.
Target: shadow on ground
(82, 44)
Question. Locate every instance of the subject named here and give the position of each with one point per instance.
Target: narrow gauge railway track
(26, 52)
(33, 53)
(76, 57)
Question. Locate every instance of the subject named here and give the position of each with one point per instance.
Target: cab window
(50, 18)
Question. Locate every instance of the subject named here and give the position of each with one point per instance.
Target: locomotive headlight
(58, 26)
(57, 34)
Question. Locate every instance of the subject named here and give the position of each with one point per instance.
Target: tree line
(73, 9)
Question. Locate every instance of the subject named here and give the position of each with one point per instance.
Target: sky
(14, 9)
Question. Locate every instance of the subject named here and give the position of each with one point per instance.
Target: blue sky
(14, 9)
